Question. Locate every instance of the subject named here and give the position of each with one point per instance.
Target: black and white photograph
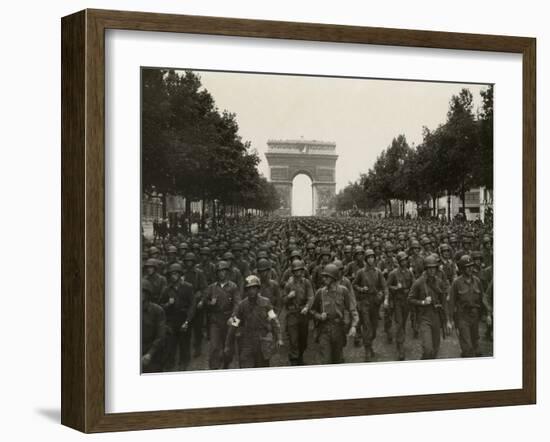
(301, 220)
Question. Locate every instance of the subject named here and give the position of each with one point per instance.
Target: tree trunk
(163, 202)
(448, 206)
(463, 196)
(188, 214)
(203, 215)
(214, 215)
(434, 209)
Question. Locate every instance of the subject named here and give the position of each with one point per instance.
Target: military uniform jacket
(386, 264)
(196, 278)
(227, 299)
(153, 328)
(159, 284)
(334, 301)
(466, 295)
(271, 291)
(304, 294)
(255, 318)
(417, 265)
(449, 269)
(424, 287)
(405, 278)
(183, 308)
(209, 271)
(352, 268)
(316, 277)
(372, 279)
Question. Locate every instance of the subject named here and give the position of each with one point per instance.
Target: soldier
(158, 282)
(449, 267)
(206, 265)
(179, 305)
(295, 255)
(357, 264)
(241, 263)
(316, 278)
(370, 289)
(235, 274)
(400, 281)
(386, 264)
(417, 267)
(297, 298)
(220, 301)
(329, 308)
(488, 303)
(416, 259)
(269, 288)
(464, 307)
(348, 255)
(196, 278)
(487, 250)
(153, 330)
(260, 332)
(428, 296)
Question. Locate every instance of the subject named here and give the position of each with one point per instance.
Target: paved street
(384, 351)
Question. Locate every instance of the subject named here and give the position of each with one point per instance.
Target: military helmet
(298, 265)
(205, 251)
(295, 254)
(331, 270)
(153, 250)
(339, 264)
(415, 244)
(426, 241)
(369, 252)
(402, 256)
(189, 256)
(252, 281)
(262, 254)
(151, 263)
(357, 250)
(228, 255)
(476, 254)
(237, 246)
(264, 264)
(146, 286)
(176, 267)
(430, 261)
(325, 251)
(172, 249)
(444, 247)
(348, 249)
(183, 246)
(465, 261)
(222, 265)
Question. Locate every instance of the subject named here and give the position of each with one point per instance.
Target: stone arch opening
(302, 195)
(316, 159)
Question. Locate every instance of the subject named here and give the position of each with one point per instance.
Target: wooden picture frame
(83, 219)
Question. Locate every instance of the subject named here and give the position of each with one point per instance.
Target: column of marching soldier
(247, 287)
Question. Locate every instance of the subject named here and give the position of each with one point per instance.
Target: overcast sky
(360, 115)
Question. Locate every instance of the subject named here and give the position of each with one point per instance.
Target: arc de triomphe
(316, 159)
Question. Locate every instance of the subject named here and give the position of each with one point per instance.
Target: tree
(485, 165)
(190, 148)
